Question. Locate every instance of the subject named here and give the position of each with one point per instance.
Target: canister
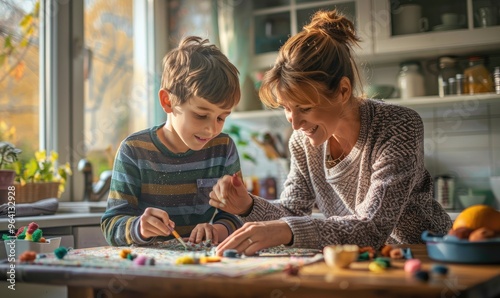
(444, 191)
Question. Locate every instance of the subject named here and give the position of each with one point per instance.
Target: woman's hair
(197, 68)
(311, 64)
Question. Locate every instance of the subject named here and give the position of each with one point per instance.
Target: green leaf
(31, 168)
(249, 157)
(8, 42)
(2, 59)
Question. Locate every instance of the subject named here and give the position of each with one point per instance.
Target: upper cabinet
(421, 27)
(274, 21)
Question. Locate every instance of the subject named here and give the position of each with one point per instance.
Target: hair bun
(334, 24)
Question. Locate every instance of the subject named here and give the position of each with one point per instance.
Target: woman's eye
(220, 119)
(304, 110)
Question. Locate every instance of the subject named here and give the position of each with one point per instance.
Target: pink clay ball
(413, 265)
(140, 260)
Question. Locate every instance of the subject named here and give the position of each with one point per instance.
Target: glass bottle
(448, 68)
(478, 76)
(411, 80)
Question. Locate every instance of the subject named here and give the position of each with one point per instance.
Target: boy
(162, 175)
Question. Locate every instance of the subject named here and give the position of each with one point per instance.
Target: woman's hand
(206, 231)
(254, 236)
(155, 222)
(230, 195)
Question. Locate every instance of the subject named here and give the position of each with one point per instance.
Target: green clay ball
(37, 235)
(60, 252)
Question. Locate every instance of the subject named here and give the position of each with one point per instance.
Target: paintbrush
(178, 237)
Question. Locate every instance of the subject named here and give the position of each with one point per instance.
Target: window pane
(19, 65)
(111, 109)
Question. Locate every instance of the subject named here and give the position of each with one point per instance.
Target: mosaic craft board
(166, 254)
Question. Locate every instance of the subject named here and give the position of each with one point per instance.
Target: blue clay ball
(230, 253)
(440, 269)
(422, 275)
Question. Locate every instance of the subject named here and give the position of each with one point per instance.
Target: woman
(361, 161)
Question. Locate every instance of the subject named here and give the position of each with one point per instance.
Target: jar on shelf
(411, 80)
(448, 68)
(478, 77)
(496, 79)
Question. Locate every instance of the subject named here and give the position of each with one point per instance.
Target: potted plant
(40, 178)
(8, 155)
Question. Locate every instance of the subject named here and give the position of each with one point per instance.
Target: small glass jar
(411, 80)
(460, 79)
(496, 79)
(478, 77)
(448, 68)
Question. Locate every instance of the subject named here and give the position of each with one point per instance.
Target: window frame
(62, 83)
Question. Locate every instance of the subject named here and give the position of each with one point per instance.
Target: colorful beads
(209, 259)
(396, 253)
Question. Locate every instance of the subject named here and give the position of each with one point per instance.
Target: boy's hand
(230, 195)
(206, 231)
(154, 222)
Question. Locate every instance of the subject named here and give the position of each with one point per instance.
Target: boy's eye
(220, 119)
(200, 116)
(305, 109)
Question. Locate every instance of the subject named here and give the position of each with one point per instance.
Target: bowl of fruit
(473, 239)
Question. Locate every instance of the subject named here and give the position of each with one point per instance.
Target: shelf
(413, 102)
(449, 99)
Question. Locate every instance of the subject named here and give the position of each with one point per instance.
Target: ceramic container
(340, 256)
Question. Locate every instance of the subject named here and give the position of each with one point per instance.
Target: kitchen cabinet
(274, 21)
(467, 35)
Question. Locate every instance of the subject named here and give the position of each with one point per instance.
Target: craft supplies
(421, 275)
(60, 252)
(230, 253)
(376, 267)
(413, 265)
(27, 256)
(185, 260)
(439, 269)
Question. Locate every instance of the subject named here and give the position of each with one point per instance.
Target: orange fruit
(478, 216)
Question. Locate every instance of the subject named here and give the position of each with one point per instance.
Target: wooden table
(316, 280)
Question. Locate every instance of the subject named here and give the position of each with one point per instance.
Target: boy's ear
(165, 102)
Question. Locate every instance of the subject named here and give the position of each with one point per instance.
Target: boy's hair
(197, 68)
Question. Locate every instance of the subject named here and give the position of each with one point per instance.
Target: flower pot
(35, 191)
(6, 179)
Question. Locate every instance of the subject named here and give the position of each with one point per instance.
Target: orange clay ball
(124, 253)
(27, 256)
(386, 250)
(43, 240)
(396, 253)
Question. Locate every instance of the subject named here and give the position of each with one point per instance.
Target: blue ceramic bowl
(448, 248)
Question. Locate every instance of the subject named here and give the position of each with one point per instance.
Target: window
(79, 76)
(19, 74)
